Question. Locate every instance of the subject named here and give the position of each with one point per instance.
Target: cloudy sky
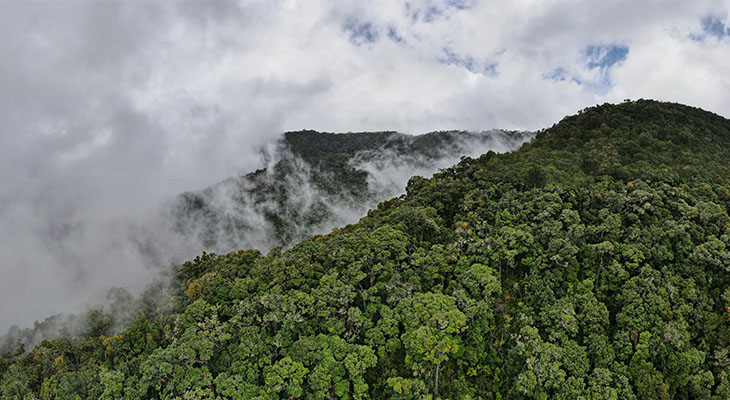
(108, 108)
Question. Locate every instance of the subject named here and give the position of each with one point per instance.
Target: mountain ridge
(582, 265)
(331, 172)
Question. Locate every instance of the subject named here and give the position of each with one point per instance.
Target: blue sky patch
(394, 35)
(431, 14)
(560, 74)
(606, 56)
(602, 57)
(362, 33)
(469, 63)
(714, 26)
(460, 4)
(436, 9)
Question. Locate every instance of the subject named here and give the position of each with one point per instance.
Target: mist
(67, 252)
(388, 173)
(291, 199)
(108, 110)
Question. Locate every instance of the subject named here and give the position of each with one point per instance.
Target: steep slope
(590, 264)
(314, 181)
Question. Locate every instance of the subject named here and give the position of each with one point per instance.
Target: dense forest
(592, 263)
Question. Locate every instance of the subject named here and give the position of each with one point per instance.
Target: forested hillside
(310, 182)
(314, 181)
(592, 263)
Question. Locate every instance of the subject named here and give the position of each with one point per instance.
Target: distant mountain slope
(315, 181)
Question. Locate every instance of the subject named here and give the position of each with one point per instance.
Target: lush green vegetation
(590, 264)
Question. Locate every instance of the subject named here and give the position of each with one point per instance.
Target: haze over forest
(387, 199)
(111, 109)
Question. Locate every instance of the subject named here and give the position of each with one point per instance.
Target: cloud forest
(591, 263)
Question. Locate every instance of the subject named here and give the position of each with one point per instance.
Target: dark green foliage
(590, 264)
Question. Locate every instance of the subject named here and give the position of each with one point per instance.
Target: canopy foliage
(593, 263)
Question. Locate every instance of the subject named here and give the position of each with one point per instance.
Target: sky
(108, 108)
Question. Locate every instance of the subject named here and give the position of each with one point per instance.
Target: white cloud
(671, 67)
